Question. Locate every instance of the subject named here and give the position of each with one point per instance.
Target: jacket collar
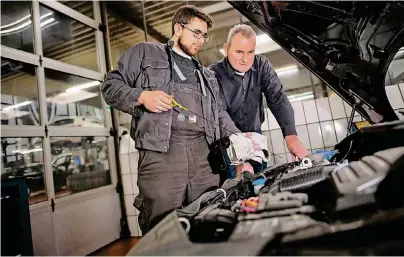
(170, 45)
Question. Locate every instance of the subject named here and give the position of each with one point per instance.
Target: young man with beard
(243, 77)
(173, 168)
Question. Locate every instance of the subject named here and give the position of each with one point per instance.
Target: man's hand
(244, 167)
(296, 148)
(155, 101)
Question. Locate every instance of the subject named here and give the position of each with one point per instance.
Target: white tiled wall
(310, 111)
(321, 123)
(329, 134)
(273, 123)
(315, 136)
(129, 161)
(303, 135)
(395, 97)
(323, 109)
(277, 141)
(299, 113)
(337, 107)
(341, 127)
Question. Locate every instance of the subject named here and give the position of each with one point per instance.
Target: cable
(350, 123)
(187, 224)
(349, 150)
(223, 191)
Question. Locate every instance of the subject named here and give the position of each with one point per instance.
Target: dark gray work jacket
(149, 66)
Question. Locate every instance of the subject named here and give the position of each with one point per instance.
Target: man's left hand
(296, 148)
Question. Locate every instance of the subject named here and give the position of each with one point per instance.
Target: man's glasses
(197, 33)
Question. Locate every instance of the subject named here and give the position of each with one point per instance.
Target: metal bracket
(305, 164)
(373, 115)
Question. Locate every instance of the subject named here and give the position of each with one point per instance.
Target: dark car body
(347, 44)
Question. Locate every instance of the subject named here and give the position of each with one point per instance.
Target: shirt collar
(231, 71)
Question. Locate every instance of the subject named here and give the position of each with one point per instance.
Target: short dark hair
(186, 13)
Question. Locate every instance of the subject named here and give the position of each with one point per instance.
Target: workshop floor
(119, 247)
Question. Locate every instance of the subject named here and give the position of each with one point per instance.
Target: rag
(248, 146)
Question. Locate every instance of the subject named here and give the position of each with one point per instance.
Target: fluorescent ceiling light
(15, 22)
(301, 94)
(263, 38)
(83, 86)
(16, 106)
(16, 28)
(288, 69)
(71, 97)
(47, 22)
(46, 15)
(25, 24)
(26, 151)
(74, 94)
(7, 115)
(300, 97)
(99, 140)
(267, 48)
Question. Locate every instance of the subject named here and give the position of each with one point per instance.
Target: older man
(243, 77)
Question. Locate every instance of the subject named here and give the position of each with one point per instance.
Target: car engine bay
(350, 204)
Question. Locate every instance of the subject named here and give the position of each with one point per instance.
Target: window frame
(44, 131)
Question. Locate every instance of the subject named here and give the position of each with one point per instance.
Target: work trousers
(171, 180)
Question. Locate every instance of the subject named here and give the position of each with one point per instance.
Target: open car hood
(348, 45)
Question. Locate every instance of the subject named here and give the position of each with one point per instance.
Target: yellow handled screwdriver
(175, 103)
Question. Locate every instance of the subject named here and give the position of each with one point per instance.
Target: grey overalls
(168, 181)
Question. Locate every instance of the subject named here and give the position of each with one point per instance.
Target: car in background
(79, 122)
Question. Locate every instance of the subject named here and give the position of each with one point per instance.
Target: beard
(185, 49)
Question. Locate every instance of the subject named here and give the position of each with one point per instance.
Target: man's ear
(226, 48)
(177, 30)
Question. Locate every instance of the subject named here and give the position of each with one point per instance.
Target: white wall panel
(42, 233)
(83, 228)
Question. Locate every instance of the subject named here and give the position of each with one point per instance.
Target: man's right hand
(244, 167)
(156, 101)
